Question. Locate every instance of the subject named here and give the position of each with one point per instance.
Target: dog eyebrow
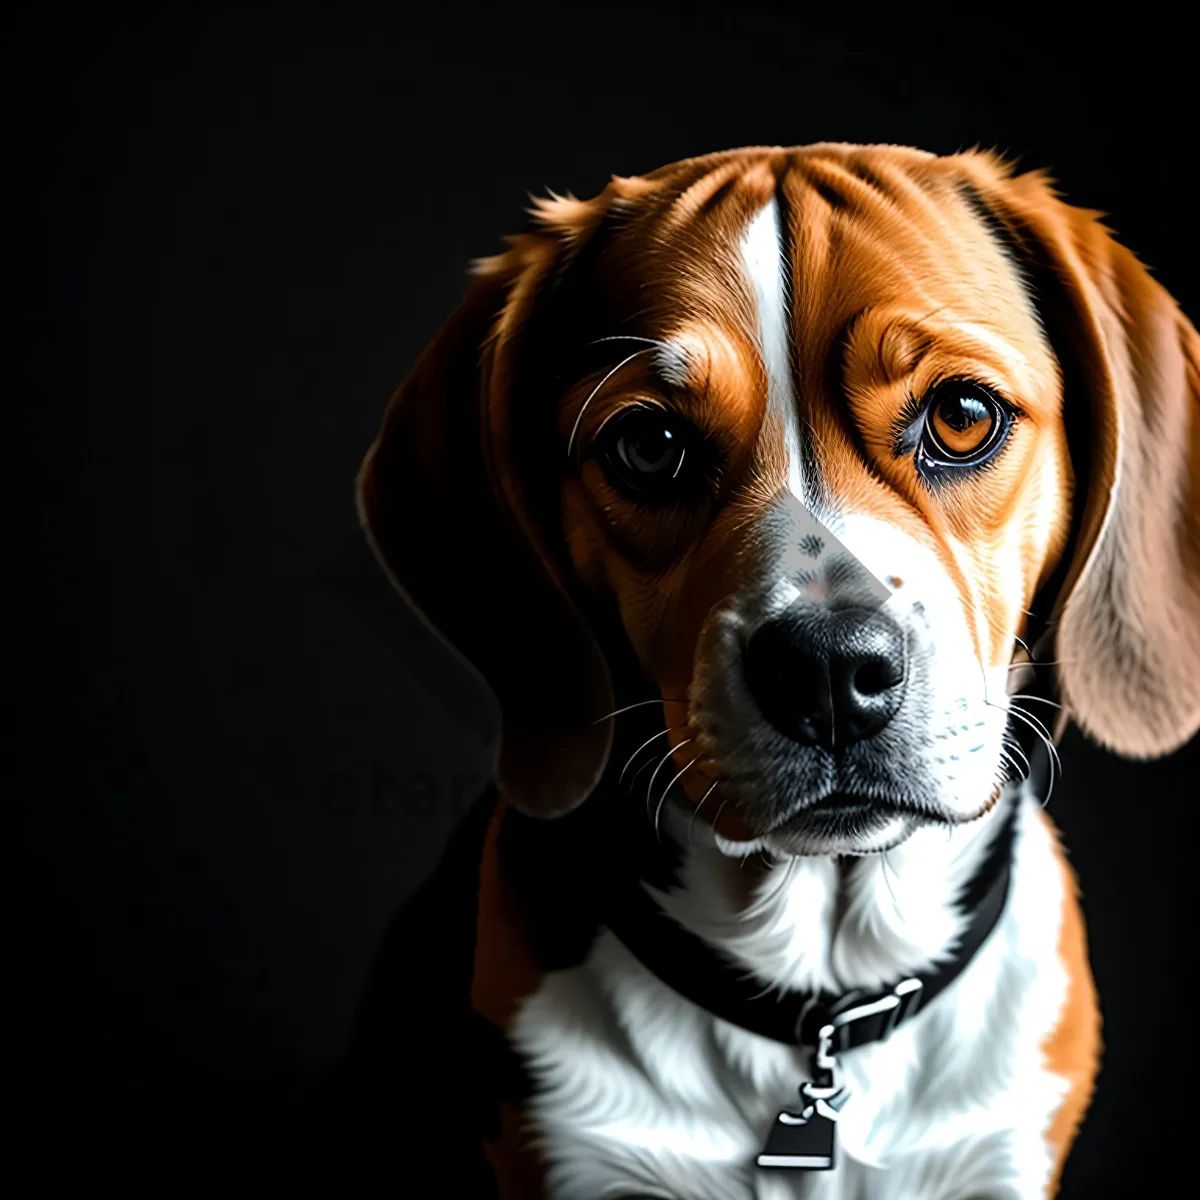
(990, 339)
(670, 362)
(673, 363)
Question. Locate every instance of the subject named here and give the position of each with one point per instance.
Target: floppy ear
(447, 525)
(1128, 613)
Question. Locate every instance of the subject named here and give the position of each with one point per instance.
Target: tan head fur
(489, 502)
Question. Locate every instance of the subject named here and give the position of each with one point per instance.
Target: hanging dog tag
(806, 1140)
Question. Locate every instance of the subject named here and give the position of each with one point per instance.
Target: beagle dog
(790, 501)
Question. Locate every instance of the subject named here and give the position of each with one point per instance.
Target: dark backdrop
(236, 756)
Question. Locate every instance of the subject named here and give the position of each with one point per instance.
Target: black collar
(709, 979)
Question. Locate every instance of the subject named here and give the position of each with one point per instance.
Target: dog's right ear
(1126, 621)
(441, 516)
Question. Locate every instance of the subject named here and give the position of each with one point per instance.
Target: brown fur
(885, 265)
(1128, 632)
(506, 972)
(1073, 1050)
(899, 282)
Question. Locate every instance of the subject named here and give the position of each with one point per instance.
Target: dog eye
(650, 453)
(961, 422)
(965, 425)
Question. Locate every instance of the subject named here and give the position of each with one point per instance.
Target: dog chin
(810, 835)
(849, 840)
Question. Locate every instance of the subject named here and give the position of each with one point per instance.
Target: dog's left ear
(1127, 617)
(447, 514)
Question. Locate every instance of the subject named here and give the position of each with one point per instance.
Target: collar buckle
(856, 1024)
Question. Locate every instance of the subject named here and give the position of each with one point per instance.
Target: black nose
(827, 678)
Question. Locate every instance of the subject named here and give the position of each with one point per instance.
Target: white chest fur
(641, 1093)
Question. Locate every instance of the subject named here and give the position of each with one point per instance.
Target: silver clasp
(833, 1036)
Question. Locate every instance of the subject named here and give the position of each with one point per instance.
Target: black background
(234, 229)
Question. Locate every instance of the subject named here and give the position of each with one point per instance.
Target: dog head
(814, 436)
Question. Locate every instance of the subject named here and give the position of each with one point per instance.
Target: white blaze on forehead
(762, 252)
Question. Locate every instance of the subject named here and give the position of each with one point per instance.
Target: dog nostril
(875, 677)
(821, 677)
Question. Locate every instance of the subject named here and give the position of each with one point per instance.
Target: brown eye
(652, 455)
(965, 425)
(650, 450)
(962, 423)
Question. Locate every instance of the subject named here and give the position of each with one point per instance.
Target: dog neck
(805, 923)
(826, 923)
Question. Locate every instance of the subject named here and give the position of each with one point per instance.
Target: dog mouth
(845, 817)
(842, 804)
(839, 805)
(841, 819)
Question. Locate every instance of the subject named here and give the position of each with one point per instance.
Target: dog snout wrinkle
(827, 678)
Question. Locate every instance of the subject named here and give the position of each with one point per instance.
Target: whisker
(667, 790)
(720, 810)
(1009, 774)
(629, 337)
(1035, 699)
(654, 737)
(1010, 748)
(592, 396)
(1037, 723)
(630, 707)
(1017, 775)
(662, 763)
(638, 773)
(696, 810)
(1055, 759)
(1043, 735)
(1028, 718)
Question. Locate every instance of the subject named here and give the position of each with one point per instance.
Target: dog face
(823, 491)
(799, 420)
